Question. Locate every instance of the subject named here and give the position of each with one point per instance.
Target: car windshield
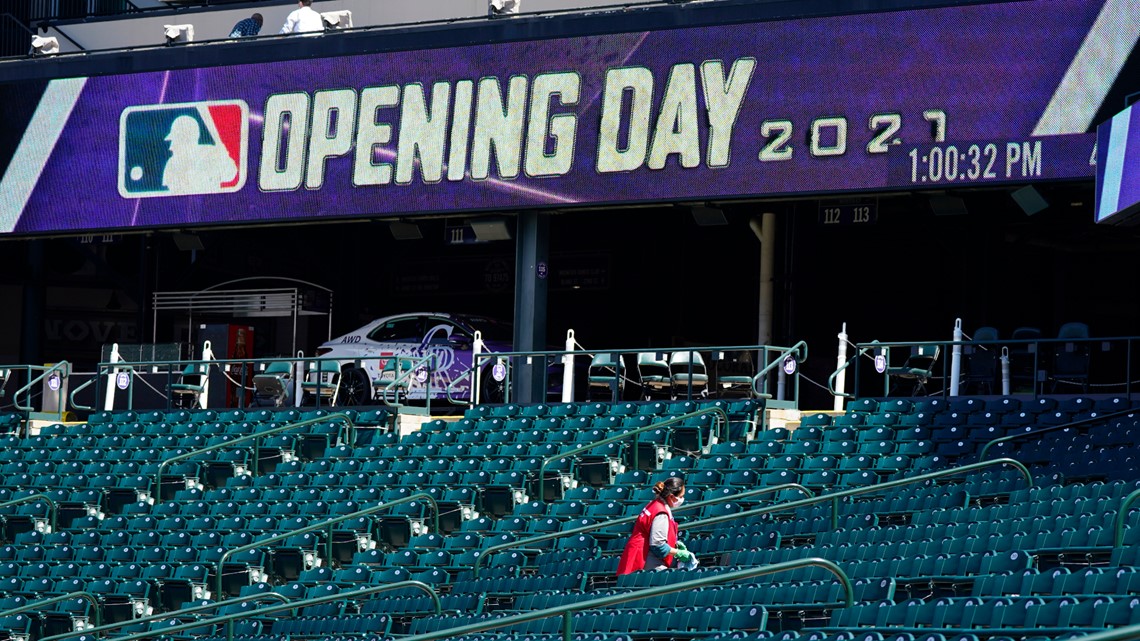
(493, 330)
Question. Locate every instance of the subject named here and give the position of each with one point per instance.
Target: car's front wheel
(355, 388)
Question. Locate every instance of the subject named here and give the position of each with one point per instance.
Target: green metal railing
(799, 350)
(1122, 516)
(716, 411)
(53, 510)
(834, 497)
(273, 609)
(413, 366)
(153, 617)
(834, 375)
(349, 436)
(82, 386)
(171, 369)
(1029, 355)
(327, 524)
(455, 381)
(62, 367)
(567, 610)
(1054, 428)
(1127, 633)
(551, 357)
(87, 596)
(630, 519)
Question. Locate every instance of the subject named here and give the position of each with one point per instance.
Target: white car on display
(370, 359)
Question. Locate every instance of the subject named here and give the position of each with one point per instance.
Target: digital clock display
(869, 102)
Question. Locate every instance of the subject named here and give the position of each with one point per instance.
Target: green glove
(681, 546)
(681, 555)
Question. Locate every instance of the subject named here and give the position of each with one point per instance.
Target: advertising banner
(930, 98)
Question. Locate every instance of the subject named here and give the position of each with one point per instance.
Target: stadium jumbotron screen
(900, 100)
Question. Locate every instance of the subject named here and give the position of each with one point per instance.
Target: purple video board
(1118, 168)
(889, 101)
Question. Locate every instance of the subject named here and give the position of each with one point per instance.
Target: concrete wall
(146, 29)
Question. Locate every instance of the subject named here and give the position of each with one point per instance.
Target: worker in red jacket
(653, 544)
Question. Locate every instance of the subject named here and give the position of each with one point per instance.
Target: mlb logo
(183, 149)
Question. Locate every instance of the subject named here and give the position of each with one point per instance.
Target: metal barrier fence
(414, 380)
(1032, 366)
(643, 373)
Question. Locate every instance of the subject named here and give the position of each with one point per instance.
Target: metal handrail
(1121, 516)
(350, 426)
(56, 599)
(484, 356)
(44, 371)
(428, 360)
(624, 435)
(452, 384)
(173, 367)
(102, 370)
(1127, 633)
(831, 379)
(1054, 428)
(71, 397)
(328, 524)
(213, 605)
(878, 487)
(37, 497)
(568, 609)
(947, 345)
(630, 519)
(802, 357)
(272, 609)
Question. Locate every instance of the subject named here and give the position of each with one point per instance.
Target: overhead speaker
(188, 242)
(948, 206)
(405, 231)
(1030, 200)
(491, 229)
(707, 216)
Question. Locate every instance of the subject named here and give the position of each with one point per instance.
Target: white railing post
(568, 368)
(112, 376)
(841, 378)
(298, 377)
(956, 358)
(204, 369)
(1005, 371)
(477, 377)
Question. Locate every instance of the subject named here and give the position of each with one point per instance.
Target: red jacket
(637, 548)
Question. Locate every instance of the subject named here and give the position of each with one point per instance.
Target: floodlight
(178, 33)
(44, 45)
(337, 20)
(504, 7)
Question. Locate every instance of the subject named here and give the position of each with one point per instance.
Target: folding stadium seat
(876, 448)
(801, 448)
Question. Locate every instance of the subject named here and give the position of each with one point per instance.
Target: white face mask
(678, 501)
